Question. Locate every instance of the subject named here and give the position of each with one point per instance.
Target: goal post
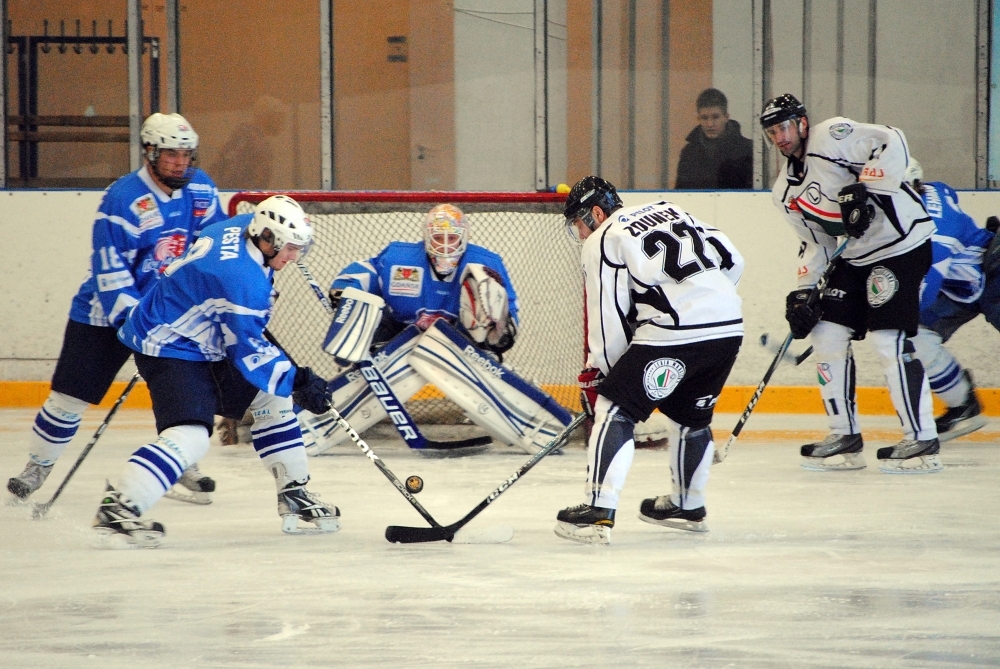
(525, 229)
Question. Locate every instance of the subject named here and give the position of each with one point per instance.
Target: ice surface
(800, 569)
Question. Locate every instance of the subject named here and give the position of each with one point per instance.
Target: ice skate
(296, 503)
(30, 480)
(662, 511)
(963, 419)
(586, 524)
(911, 456)
(836, 452)
(117, 524)
(192, 487)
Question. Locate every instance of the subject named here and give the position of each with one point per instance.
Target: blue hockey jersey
(214, 303)
(137, 233)
(958, 247)
(401, 274)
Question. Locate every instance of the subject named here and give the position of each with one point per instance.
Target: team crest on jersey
(841, 130)
(813, 193)
(147, 211)
(661, 377)
(823, 373)
(882, 285)
(167, 249)
(405, 280)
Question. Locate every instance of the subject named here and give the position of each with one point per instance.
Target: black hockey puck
(414, 484)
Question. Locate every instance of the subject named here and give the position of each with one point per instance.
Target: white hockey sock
(55, 426)
(690, 462)
(277, 437)
(836, 376)
(155, 467)
(609, 454)
(944, 374)
(908, 387)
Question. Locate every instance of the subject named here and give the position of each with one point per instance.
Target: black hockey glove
(309, 391)
(801, 317)
(855, 210)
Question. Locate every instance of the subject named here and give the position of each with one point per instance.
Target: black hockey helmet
(785, 106)
(587, 192)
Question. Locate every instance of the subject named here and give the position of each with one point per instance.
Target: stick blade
(721, 453)
(496, 534)
(397, 534)
(455, 449)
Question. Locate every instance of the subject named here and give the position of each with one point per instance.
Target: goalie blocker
(512, 410)
(354, 322)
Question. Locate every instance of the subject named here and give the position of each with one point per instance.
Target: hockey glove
(309, 391)
(855, 210)
(801, 317)
(589, 381)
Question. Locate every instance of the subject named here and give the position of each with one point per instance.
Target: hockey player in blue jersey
(962, 283)
(145, 221)
(198, 339)
(443, 311)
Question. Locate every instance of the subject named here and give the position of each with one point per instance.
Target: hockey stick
(721, 453)
(770, 346)
(382, 389)
(40, 509)
(409, 535)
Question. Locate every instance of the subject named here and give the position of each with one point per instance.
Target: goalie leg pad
(350, 335)
(353, 398)
(512, 410)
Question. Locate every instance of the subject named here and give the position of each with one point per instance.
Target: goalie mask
(280, 220)
(169, 131)
(446, 234)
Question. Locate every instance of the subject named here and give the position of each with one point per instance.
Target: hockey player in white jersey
(963, 282)
(665, 326)
(146, 220)
(199, 342)
(847, 178)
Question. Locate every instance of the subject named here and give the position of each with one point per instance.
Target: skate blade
(182, 494)
(588, 534)
(497, 534)
(967, 426)
(290, 525)
(677, 523)
(109, 539)
(929, 464)
(851, 461)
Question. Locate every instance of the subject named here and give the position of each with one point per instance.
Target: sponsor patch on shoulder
(841, 130)
(661, 376)
(405, 280)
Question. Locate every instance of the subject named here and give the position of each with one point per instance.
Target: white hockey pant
(944, 374)
(908, 387)
(609, 454)
(156, 466)
(835, 373)
(278, 439)
(55, 426)
(492, 395)
(691, 454)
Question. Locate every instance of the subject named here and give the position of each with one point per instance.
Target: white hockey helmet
(280, 220)
(446, 235)
(914, 172)
(169, 131)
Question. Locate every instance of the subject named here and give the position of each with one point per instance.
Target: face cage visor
(445, 247)
(585, 215)
(784, 127)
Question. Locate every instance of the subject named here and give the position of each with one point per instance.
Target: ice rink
(800, 569)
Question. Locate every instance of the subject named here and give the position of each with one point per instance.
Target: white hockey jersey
(656, 275)
(839, 152)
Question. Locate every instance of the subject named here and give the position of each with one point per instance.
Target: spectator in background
(716, 155)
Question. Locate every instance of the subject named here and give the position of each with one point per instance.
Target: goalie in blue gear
(199, 341)
(146, 220)
(442, 311)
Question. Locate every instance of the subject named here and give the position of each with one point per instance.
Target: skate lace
(663, 502)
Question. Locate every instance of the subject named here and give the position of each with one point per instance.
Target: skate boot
(821, 456)
(963, 419)
(192, 487)
(911, 456)
(117, 524)
(586, 524)
(295, 503)
(662, 511)
(30, 480)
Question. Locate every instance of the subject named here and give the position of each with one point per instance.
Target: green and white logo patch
(882, 285)
(661, 377)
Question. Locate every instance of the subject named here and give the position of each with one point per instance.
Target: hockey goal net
(525, 229)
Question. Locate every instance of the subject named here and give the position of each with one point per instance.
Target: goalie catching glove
(354, 322)
(855, 211)
(483, 308)
(309, 391)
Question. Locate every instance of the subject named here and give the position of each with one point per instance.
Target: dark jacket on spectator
(726, 162)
